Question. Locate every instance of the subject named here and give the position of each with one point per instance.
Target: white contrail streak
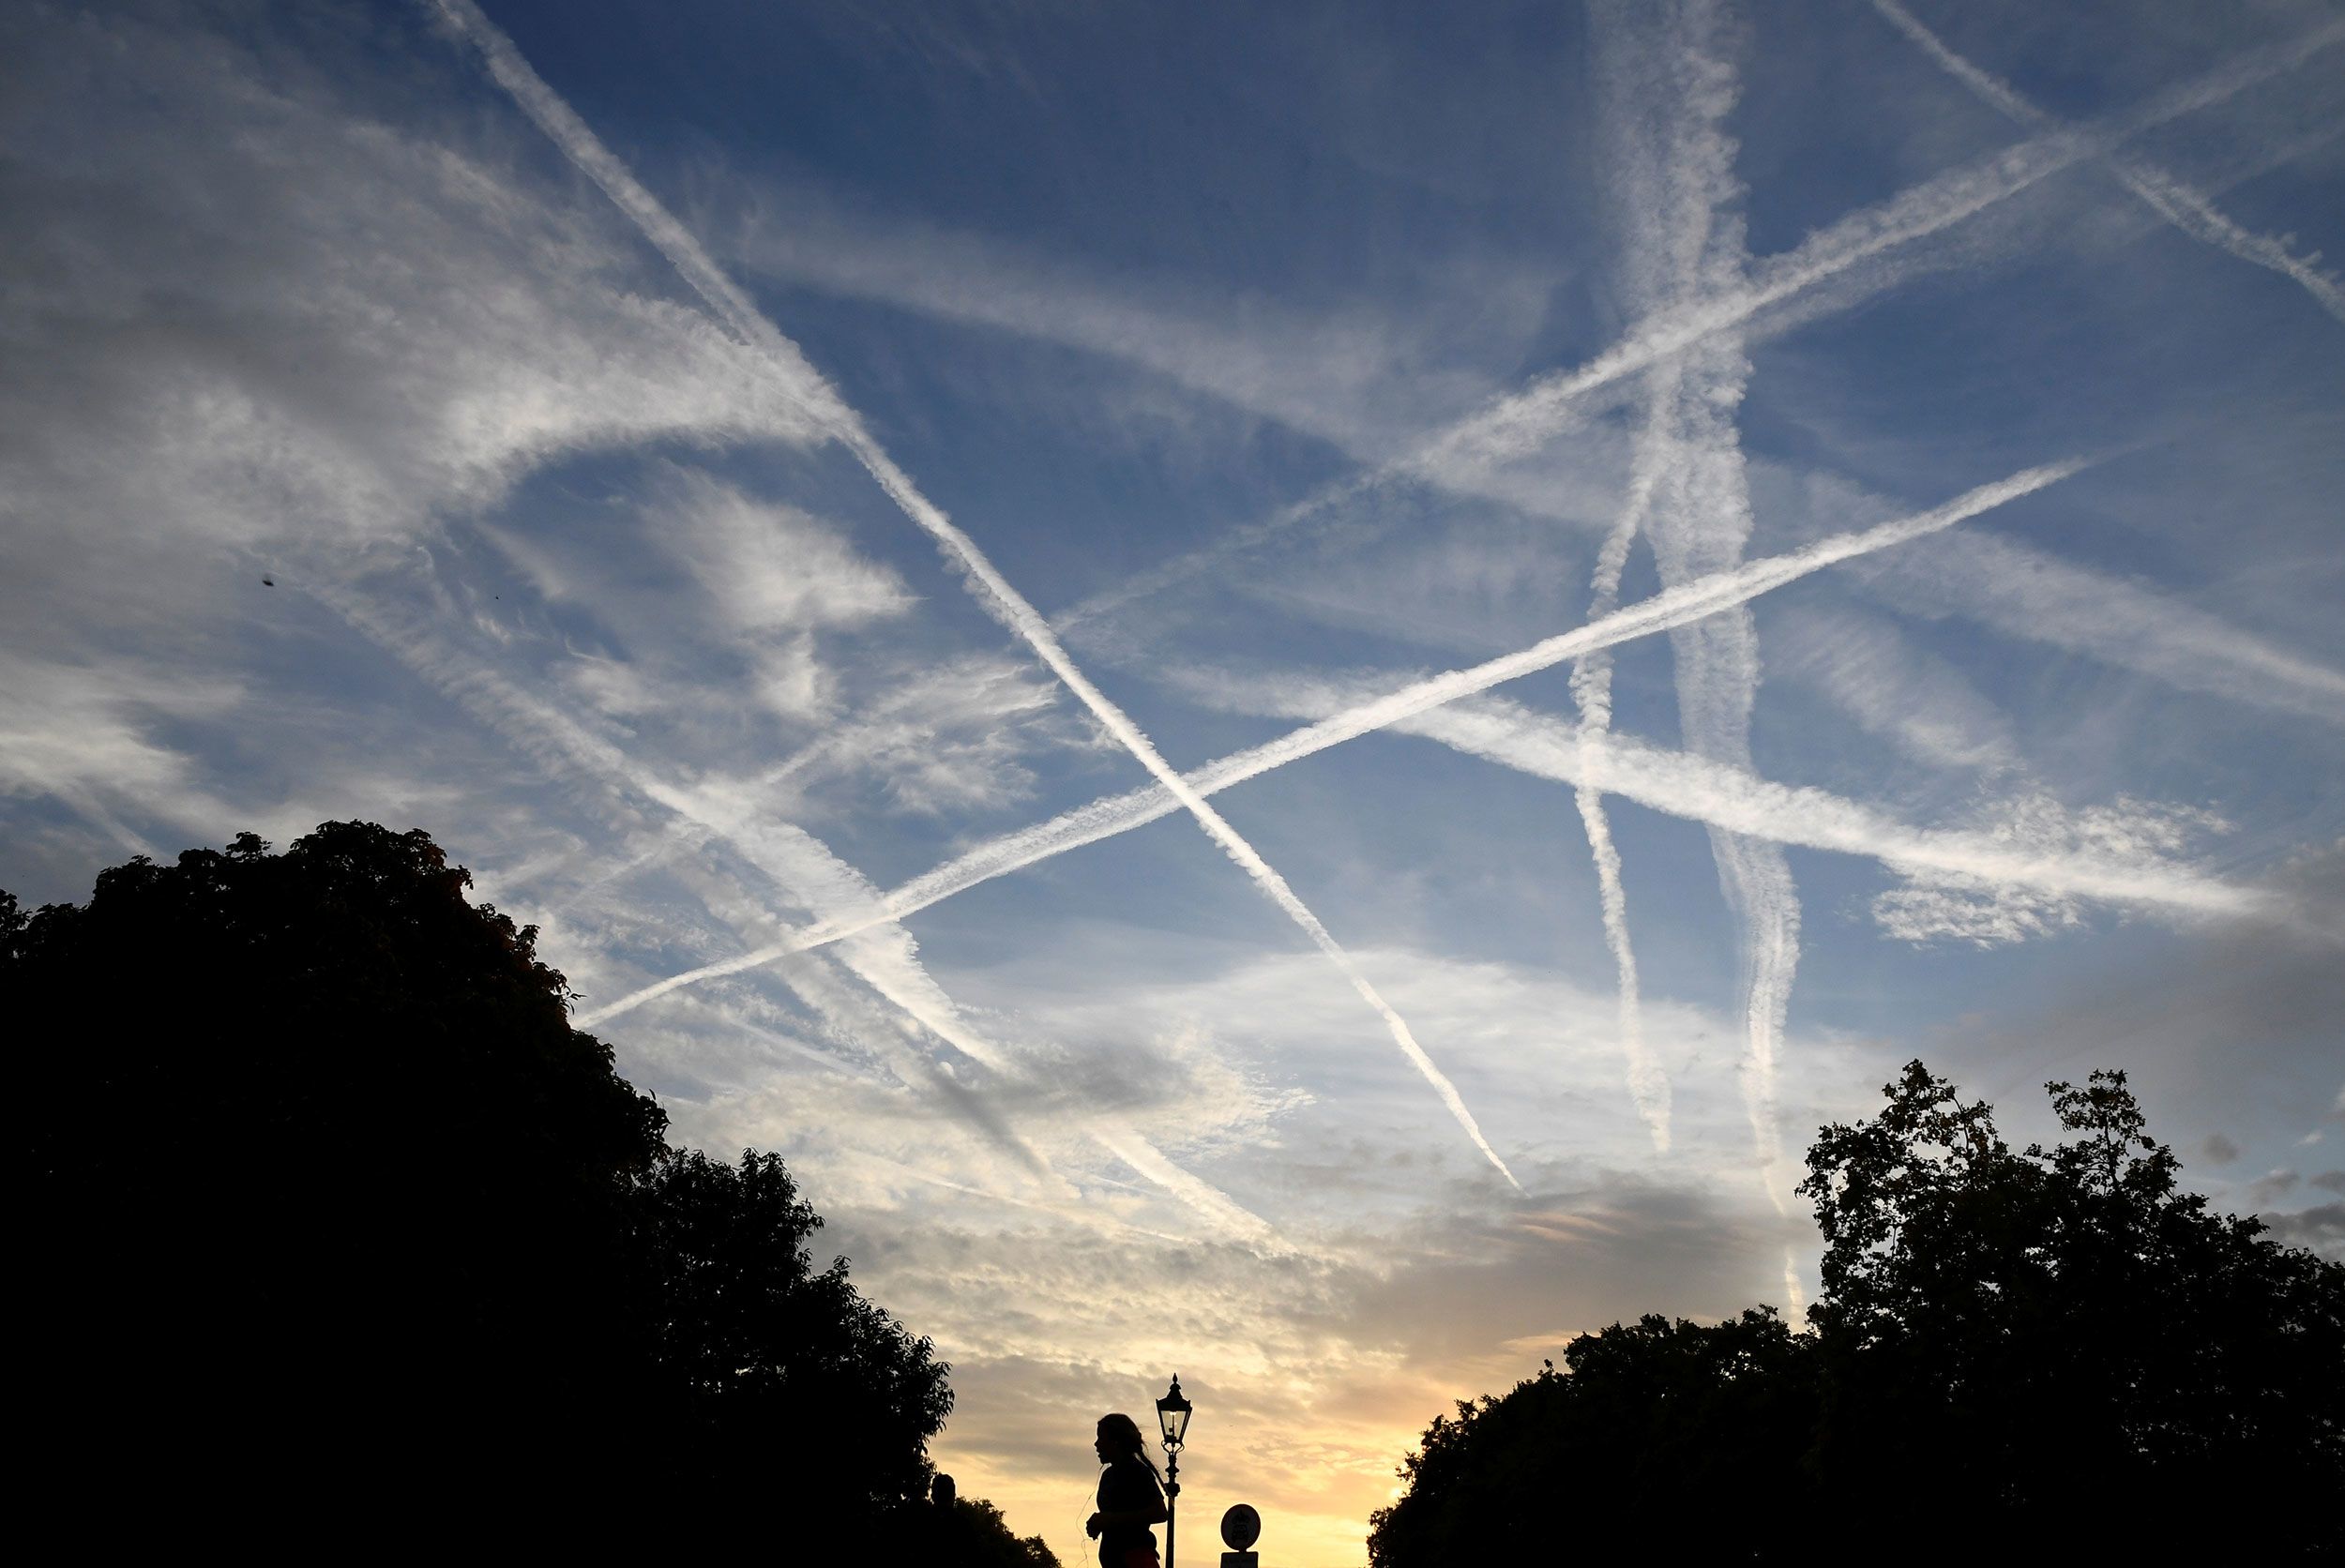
(1106, 817)
(1021, 618)
(990, 588)
(1735, 800)
(2028, 592)
(1592, 691)
(1677, 193)
(1522, 421)
(2179, 203)
(578, 143)
(1126, 1144)
(1673, 178)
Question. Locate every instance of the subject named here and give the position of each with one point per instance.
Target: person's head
(1119, 1434)
(942, 1491)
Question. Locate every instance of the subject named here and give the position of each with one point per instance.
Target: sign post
(1241, 1527)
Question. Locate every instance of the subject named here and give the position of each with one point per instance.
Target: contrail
(1126, 1144)
(1021, 618)
(562, 127)
(879, 952)
(2028, 592)
(987, 584)
(557, 740)
(1522, 421)
(1735, 800)
(1115, 814)
(1670, 196)
(1676, 188)
(1592, 691)
(1912, 700)
(2179, 203)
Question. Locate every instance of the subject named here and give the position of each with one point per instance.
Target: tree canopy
(331, 1205)
(963, 1532)
(766, 1367)
(2049, 1348)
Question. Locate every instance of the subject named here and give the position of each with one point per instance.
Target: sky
(1286, 690)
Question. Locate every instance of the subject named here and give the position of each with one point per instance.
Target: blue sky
(843, 484)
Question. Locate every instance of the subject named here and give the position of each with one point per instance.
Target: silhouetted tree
(768, 1372)
(2043, 1333)
(2027, 1352)
(967, 1532)
(324, 1183)
(331, 1209)
(1608, 1454)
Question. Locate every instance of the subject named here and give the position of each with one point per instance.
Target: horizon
(1286, 695)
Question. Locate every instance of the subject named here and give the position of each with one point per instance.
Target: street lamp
(1172, 1415)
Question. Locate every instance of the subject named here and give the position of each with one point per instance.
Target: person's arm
(1147, 1506)
(1116, 1519)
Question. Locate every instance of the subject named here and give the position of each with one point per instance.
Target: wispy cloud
(1917, 703)
(86, 733)
(1360, 379)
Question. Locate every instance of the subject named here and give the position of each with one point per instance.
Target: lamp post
(1172, 1415)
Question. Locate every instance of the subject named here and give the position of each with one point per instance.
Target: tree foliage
(967, 1533)
(2038, 1328)
(2047, 1349)
(1647, 1414)
(766, 1368)
(330, 1206)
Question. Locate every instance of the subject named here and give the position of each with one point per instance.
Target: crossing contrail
(1673, 78)
(987, 584)
(1673, 169)
(878, 952)
(1734, 799)
(881, 958)
(1115, 814)
(1522, 421)
(2187, 208)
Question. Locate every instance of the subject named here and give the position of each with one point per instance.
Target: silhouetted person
(944, 1492)
(1131, 1497)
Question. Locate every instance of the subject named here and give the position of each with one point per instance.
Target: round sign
(1241, 1527)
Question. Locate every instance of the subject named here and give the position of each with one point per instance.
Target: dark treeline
(335, 1218)
(2019, 1355)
